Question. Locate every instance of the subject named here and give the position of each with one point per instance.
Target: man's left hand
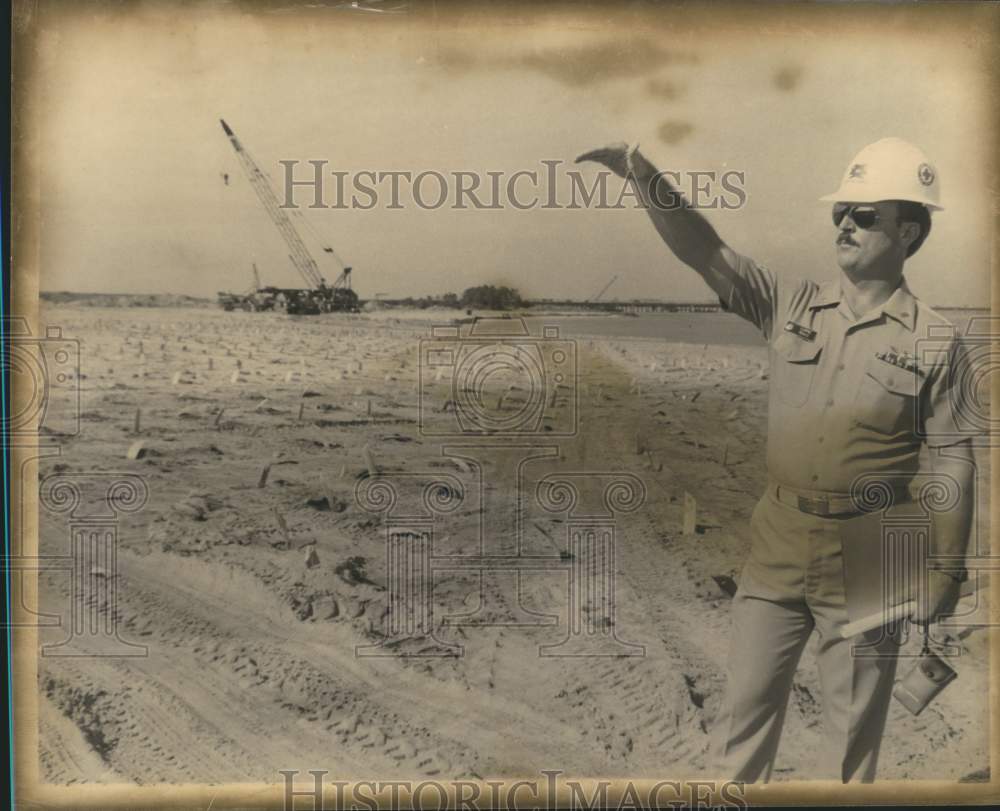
(940, 599)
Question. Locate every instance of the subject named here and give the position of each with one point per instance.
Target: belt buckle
(814, 506)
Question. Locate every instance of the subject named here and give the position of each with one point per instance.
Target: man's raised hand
(615, 157)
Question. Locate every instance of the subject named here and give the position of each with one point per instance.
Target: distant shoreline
(83, 299)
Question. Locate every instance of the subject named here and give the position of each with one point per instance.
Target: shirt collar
(827, 295)
(901, 305)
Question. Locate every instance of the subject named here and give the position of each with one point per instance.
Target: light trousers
(792, 585)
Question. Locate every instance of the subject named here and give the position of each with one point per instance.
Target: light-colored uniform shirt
(850, 395)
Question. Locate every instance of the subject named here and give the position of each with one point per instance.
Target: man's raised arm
(686, 232)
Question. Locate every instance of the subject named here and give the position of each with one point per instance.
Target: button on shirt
(849, 395)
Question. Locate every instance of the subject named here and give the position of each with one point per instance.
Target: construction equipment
(318, 297)
(255, 299)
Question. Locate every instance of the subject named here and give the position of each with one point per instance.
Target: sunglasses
(865, 217)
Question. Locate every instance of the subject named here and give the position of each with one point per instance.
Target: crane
(319, 297)
(603, 290)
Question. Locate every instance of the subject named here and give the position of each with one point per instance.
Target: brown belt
(825, 504)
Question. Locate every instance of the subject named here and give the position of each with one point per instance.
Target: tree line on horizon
(481, 297)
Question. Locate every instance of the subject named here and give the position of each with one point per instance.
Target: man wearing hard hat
(849, 396)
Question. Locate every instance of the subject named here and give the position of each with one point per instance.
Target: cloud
(664, 89)
(673, 132)
(787, 77)
(577, 66)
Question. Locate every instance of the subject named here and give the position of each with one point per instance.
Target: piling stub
(262, 481)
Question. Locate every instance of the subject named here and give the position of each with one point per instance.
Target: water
(694, 328)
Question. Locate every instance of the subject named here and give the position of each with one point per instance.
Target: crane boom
(604, 289)
(299, 254)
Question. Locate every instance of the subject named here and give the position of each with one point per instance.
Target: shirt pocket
(794, 368)
(887, 399)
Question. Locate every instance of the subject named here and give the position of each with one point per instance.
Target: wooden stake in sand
(654, 464)
(373, 470)
(262, 481)
(369, 407)
(279, 518)
(136, 450)
(690, 514)
(640, 446)
(137, 425)
(510, 390)
(312, 559)
(302, 407)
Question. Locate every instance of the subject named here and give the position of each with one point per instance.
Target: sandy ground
(252, 592)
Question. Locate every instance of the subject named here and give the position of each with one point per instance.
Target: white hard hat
(890, 169)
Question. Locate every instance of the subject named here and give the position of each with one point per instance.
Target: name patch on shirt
(901, 360)
(803, 332)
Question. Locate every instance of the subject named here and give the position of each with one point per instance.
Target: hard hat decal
(926, 174)
(857, 172)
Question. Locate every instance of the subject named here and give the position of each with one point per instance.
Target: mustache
(845, 239)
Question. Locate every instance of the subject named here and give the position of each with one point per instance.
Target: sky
(133, 185)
